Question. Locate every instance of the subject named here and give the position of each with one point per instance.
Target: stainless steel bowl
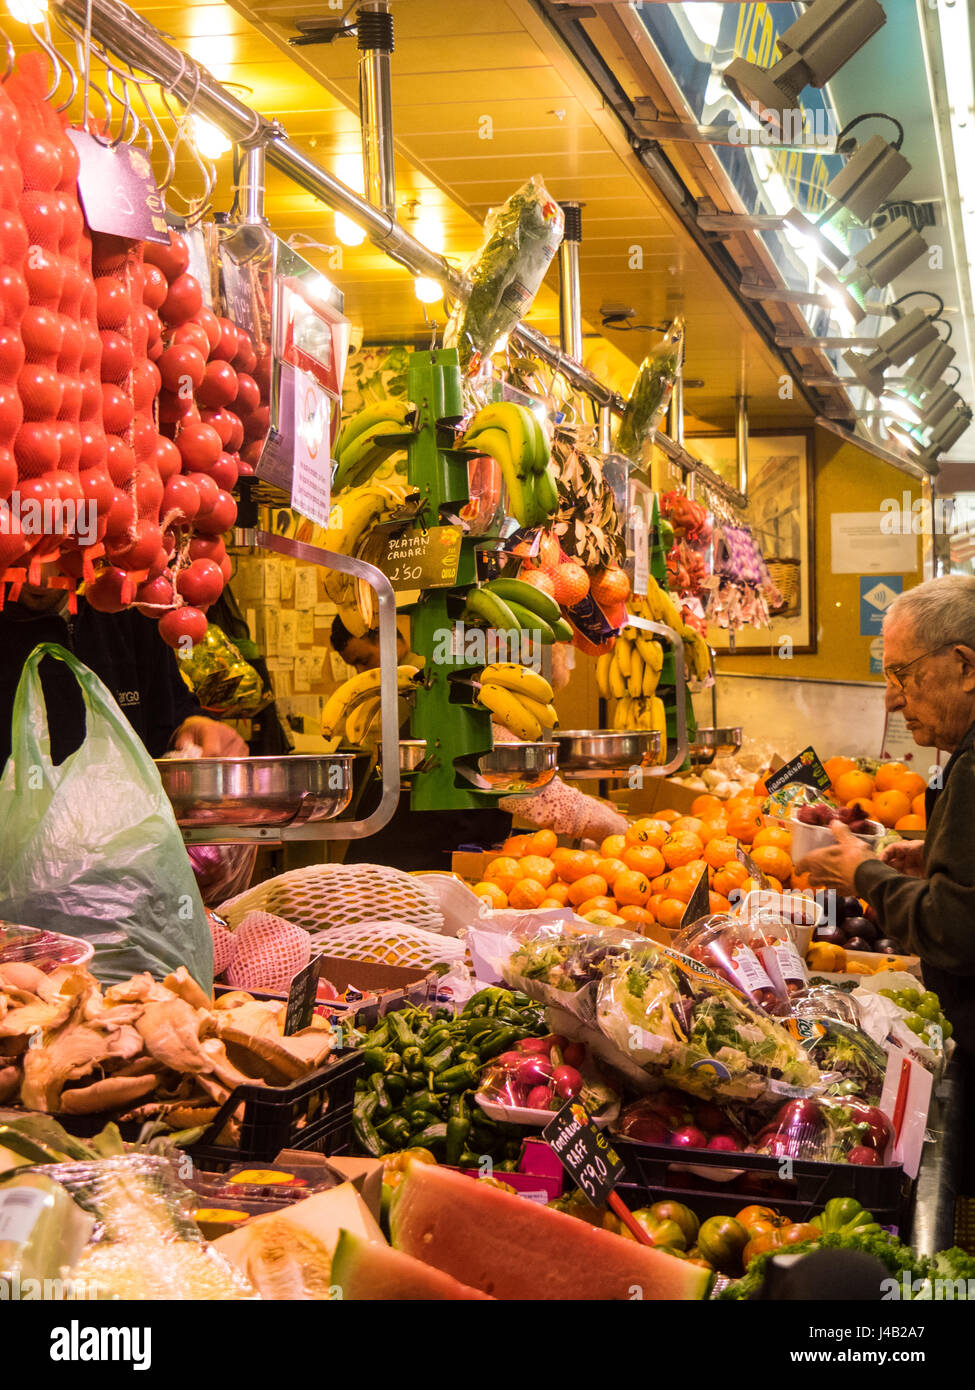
(519, 767)
(708, 743)
(256, 791)
(606, 753)
(412, 753)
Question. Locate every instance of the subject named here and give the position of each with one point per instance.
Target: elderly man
(924, 893)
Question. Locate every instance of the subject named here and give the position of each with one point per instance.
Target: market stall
(628, 1045)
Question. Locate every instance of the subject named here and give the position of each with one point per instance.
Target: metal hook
(127, 111)
(196, 207)
(45, 41)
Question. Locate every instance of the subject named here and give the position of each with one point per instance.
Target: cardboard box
(471, 864)
(656, 794)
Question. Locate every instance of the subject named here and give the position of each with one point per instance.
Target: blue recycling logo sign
(877, 593)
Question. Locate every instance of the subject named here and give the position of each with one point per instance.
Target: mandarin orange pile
(895, 796)
(647, 875)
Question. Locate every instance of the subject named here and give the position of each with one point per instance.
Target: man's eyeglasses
(894, 675)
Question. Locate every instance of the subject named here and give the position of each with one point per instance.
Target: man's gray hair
(940, 611)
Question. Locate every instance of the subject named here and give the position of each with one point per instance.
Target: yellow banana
(651, 651)
(650, 680)
(634, 681)
(546, 715)
(359, 720)
(519, 679)
(603, 664)
(350, 615)
(508, 710)
(355, 689)
(617, 681)
(622, 654)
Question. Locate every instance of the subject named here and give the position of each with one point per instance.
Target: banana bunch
(512, 605)
(659, 607)
(519, 699)
(697, 654)
(351, 518)
(630, 713)
(632, 668)
(364, 442)
(344, 702)
(512, 435)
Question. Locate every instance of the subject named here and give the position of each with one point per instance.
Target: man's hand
(215, 739)
(835, 867)
(906, 856)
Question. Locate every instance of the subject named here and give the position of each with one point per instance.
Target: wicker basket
(786, 576)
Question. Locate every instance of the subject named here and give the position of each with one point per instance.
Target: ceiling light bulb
(429, 232)
(210, 142)
(427, 291)
(27, 11)
(348, 232)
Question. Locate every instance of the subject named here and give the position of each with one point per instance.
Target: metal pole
(254, 184)
(570, 292)
(741, 443)
(374, 28)
(605, 429)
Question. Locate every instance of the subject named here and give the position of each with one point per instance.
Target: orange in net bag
(270, 952)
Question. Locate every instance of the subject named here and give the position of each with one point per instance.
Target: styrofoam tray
(521, 1115)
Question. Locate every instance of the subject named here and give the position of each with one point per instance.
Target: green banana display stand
(444, 716)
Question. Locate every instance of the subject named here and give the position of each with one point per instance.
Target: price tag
(301, 997)
(419, 559)
(754, 871)
(117, 190)
(584, 1152)
(239, 293)
(699, 903)
(806, 769)
(311, 478)
(19, 1210)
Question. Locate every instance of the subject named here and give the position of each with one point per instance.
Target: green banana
(563, 630)
(531, 622)
(365, 454)
(518, 423)
(528, 595)
(540, 453)
(492, 610)
(547, 491)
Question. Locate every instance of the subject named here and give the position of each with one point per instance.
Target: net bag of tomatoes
(90, 847)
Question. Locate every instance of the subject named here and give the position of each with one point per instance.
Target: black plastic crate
(798, 1190)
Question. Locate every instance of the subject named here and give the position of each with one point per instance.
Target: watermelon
(512, 1248)
(364, 1269)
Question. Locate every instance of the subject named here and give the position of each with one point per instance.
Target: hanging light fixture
(209, 141)
(27, 11)
(906, 337)
(428, 229)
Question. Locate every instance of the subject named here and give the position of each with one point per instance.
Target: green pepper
(422, 1100)
(438, 1060)
(435, 1039)
(457, 1107)
(395, 1086)
(412, 1058)
(498, 1043)
(840, 1212)
(457, 1132)
(395, 1131)
(402, 1034)
(419, 1119)
(487, 997)
(379, 1037)
(365, 1130)
(433, 1135)
(373, 1060)
(479, 1026)
(468, 1054)
(521, 1000)
(469, 1159)
(377, 1084)
(417, 1080)
(507, 1165)
(459, 1078)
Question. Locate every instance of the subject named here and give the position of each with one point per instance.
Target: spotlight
(937, 403)
(871, 173)
(890, 253)
(906, 337)
(948, 433)
(813, 48)
(929, 365)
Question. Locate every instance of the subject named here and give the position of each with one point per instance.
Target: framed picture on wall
(781, 515)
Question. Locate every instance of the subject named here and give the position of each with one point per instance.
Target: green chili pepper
(438, 1060)
(395, 1086)
(498, 1043)
(395, 1131)
(457, 1132)
(373, 1060)
(365, 1130)
(432, 1136)
(412, 1058)
(479, 1026)
(469, 1159)
(422, 1101)
(459, 1078)
(507, 1165)
(402, 1034)
(457, 1107)
(435, 1039)
(377, 1085)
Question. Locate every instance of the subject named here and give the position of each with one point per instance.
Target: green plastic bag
(90, 847)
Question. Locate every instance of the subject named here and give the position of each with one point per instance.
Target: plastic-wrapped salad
(521, 238)
(651, 392)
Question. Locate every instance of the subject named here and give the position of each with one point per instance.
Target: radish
(568, 1082)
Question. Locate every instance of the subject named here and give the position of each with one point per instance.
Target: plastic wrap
(650, 393)
(224, 683)
(829, 1130)
(521, 237)
(145, 1243)
(730, 948)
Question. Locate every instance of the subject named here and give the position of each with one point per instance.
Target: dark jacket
(123, 649)
(934, 916)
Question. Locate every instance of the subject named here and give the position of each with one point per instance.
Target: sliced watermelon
(512, 1248)
(364, 1269)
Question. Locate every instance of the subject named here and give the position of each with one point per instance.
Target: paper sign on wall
(877, 593)
(859, 546)
(311, 479)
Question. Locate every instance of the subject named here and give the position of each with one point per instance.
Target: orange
(838, 767)
(887, 775)
(526, 893)
(865, 805)
(772, 860)
(890, 806)
(596, 905)
(609, 868)
(774, 835)
(713, 830)
(559, 856)
(706, 805)
(669, 912)
(653, 902)
(631, 888)
(912, 784)
(683, 881)
(589, 886)
(745, 825)
(543, 842)
(577, 865)
(648, 831)
(718, 852)
(759, 788)
(732, 876)
(752, 885)
(910, 823)
(800, 880)
(918, 805)
(645, 859)
(613, 846)
(680, 849)
(661, 885)
(504, 872)
(516, 846)
(686, 825)
(668, 816)
(718, 903)
(632, 913)
(535, 867)
(492, 893)
(853, 784)
(559, 891)
(551, 902)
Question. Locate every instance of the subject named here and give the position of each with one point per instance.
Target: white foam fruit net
(322, 897)
(268, 953)
(389, 943)
(224, 946)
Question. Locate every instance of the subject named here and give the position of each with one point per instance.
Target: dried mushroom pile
(143, 1050)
